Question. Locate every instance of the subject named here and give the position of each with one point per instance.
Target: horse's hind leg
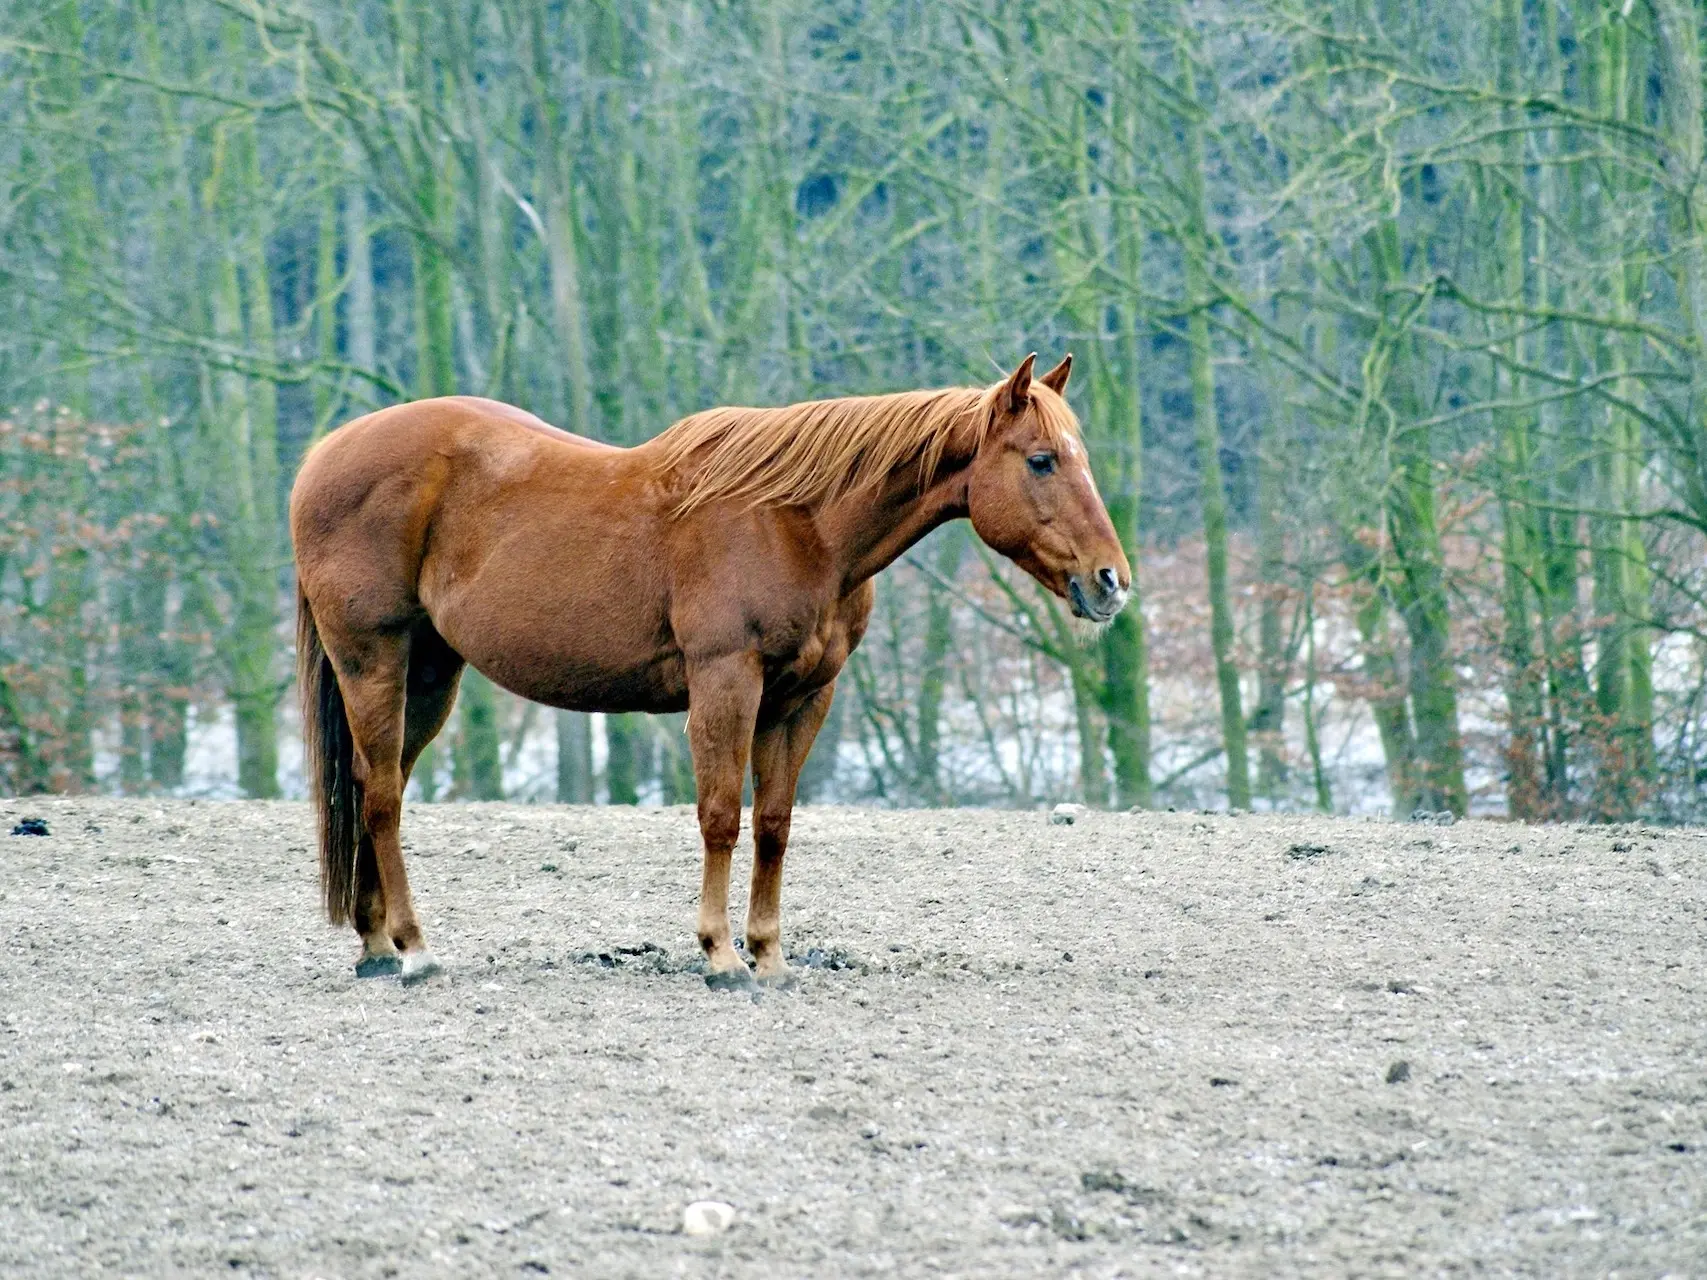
(379, 954)
(373, 676)
(435, 669)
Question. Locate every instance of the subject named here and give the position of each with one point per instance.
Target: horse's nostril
(1107, 580)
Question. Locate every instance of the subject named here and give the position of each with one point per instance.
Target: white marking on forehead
(1069, 446)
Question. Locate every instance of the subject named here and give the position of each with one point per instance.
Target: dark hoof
(418, 966)
(379, 966)
(730, 980)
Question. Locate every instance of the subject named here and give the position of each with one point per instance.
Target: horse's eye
(1041, 464)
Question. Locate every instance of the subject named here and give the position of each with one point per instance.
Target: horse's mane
(803, 454)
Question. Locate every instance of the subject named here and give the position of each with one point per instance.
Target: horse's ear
(1056, 378)
(1016, 391)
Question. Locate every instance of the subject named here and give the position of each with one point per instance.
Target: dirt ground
(1144, 1044)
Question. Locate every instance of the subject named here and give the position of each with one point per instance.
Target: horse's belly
(576, 685)
(576, 656)
(655, 690)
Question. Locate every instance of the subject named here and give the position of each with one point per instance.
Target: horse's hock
(1142, 1041)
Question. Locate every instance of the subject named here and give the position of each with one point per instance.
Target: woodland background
(1390, 321)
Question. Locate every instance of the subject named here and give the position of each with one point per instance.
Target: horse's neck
(870, 531)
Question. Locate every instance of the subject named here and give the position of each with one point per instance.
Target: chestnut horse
(724, 567)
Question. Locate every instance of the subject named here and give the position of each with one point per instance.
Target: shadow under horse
(723, 567)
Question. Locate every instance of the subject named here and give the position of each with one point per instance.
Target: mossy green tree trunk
(1507, 198)
(1623, 676)
(1268, 718)
(1125, 651)
(69, 587)
(1206, 433)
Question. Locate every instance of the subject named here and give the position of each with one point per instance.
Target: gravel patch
(1137, 1044)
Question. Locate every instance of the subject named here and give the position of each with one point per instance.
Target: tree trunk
(359, 313)
(1125, 651)
(574, 758)
(1623, 685)
(1207, 437)
(1420, 590)
(1268, 720)
(625, 738)
(1385, 687)
(1519, 561)
(1416, 582)
(939, 637)
(1207, 434)
(70, 588)
(258, 554)
(1312, 739)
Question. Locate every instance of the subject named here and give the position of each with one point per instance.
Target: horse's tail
(329, 753)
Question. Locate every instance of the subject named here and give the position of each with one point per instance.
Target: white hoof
(418, 966)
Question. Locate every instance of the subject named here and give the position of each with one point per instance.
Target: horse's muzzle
(1100, 600)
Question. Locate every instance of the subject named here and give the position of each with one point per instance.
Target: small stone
(548, 866)
(1064, 815)
(707, 1218)
(1399, 1072)
(31, 827)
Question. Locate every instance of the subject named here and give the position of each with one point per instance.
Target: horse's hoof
(730, 980)
(418, 966)
(380, 966)
(781, 980)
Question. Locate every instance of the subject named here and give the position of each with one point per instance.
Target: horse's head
(1032, 498)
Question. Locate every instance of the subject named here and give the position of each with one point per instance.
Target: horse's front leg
(723, 700)
(779, 751)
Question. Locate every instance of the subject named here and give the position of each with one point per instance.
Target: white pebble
(1064, 815)
(707, 1218)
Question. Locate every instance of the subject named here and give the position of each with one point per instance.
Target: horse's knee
(720, 826)
(770, 832)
